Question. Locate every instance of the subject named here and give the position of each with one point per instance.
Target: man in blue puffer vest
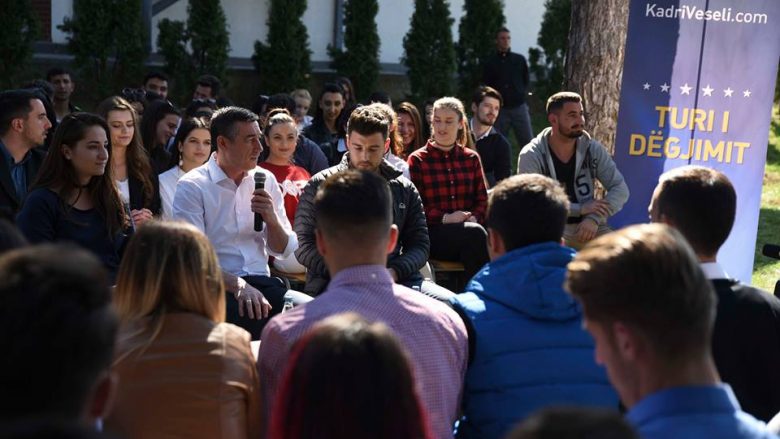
(530, 349)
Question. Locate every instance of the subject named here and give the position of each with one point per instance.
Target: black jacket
(746, 346)
(507, 73)
(137, 194)
(9, 201)
(409, 255)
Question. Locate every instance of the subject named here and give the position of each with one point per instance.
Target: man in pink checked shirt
(354, 234)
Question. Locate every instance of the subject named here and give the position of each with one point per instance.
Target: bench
(452, 273)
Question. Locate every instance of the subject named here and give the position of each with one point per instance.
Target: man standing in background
(507, 72)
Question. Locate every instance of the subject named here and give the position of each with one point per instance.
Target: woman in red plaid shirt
(451, 183)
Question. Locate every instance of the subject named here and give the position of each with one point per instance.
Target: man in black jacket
(701, 203)
(493, 148)
(23, 128)
(507, 72)
(367, 140)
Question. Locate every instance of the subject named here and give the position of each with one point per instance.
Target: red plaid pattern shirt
(449, 181)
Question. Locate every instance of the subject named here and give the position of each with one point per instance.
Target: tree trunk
(594, 62)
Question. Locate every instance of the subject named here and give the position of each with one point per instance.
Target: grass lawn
(766, 271)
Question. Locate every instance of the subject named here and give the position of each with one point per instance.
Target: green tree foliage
(107, 41)
(477, 40)
(209, 37)
(206, 34)
(547, 63)
(360, 60)
(429, 51)
(18, 30)
(283, 62)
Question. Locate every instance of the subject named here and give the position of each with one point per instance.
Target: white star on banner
(665, 88)
(685, 89)
(746, 93)
(728, 92)
(646, 86)
(707, 90)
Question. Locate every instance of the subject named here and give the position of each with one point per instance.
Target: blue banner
(698, 83)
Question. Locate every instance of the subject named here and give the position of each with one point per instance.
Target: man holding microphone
(221, 199)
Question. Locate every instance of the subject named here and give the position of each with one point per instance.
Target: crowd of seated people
(144, 249)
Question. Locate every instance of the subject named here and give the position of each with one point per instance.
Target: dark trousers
(518, 119)
(274, 291)
(462, 242)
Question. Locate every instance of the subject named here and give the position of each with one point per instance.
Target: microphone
(771, 251)
(259, 184)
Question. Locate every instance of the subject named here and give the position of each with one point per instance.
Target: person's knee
(474, 233)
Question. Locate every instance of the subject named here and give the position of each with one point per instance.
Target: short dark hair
(55, 303)
(648, 277)
(556, 101)
(223, 122)
(57, 71)
(281, 100)
(699, 202)
(368, 120)
(354, 206)
(574, 423)
(156, 75)
(485, 91)
(15, 104)
(210, 81)
(502, 29)
(379, 96)
(527, 209)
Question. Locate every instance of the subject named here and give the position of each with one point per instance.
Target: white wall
(247, 23)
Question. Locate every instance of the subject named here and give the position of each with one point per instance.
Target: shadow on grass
(768, 233)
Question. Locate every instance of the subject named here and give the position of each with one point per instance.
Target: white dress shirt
(168, 180)
(713, 270)
(211, 201)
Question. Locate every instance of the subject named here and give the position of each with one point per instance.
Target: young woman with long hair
(410, 128)
(74, 198)
(396, 144)
(348, 379)
(183, 372)
(158, 126)
(130, 166)
(324, 127)
(192, 149)
(451, 182)
(281, 137)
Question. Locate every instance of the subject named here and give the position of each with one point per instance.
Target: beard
(572, 133)
(485, 121)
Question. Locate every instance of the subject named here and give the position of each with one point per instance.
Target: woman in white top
(193, 146)
(130, 165)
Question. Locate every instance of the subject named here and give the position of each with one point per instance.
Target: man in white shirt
(220, 199)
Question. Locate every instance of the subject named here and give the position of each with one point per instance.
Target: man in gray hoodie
(565, 152)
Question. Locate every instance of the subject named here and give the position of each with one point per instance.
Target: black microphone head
(259, 179)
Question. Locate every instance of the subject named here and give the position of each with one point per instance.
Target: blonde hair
(455, 105)
(301, 93)
(169, 267)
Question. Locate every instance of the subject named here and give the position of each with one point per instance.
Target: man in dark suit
(23, 128)
(701, 203)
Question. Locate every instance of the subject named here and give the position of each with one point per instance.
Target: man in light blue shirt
(651, 310)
